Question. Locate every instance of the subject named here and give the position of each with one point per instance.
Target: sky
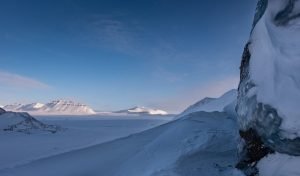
(115, 54)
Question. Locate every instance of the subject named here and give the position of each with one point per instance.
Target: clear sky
(115, 54)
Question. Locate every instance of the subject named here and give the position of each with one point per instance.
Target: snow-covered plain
(207, 140)
(78, 132)
(199, 143)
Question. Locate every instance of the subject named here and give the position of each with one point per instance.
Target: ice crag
(269, 90)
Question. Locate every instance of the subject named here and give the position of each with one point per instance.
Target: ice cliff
(269, 90)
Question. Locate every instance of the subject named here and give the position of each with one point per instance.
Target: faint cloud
(116, 34)
(168, 76)
(18, 81)
(130, 37)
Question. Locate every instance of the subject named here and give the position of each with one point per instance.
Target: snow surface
(143, 111)
(212, 104)
(275, 64)
(279, 165)
(79, 132)
(201, 144)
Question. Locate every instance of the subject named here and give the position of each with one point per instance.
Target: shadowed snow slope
(2, 111)
(200, 144)
(212, 104)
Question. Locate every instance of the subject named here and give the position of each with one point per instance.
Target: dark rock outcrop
(2, 111)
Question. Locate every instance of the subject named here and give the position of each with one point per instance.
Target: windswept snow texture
(213, 104)
(57, 107)
(143, 111)
(201, 144)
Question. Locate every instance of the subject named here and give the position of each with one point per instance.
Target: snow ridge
(212, 104)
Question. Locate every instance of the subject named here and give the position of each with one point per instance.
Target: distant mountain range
(57, 107)
(66, 107)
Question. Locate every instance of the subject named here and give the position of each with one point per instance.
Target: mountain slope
(212, 104)
(66, 107)
(2, 111)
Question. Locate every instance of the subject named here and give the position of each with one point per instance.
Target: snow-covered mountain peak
(56, 107)
(67, 107)
(143, 110)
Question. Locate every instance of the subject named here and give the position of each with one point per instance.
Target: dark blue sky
(115, 54)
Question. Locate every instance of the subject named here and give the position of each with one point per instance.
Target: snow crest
(213, 104)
